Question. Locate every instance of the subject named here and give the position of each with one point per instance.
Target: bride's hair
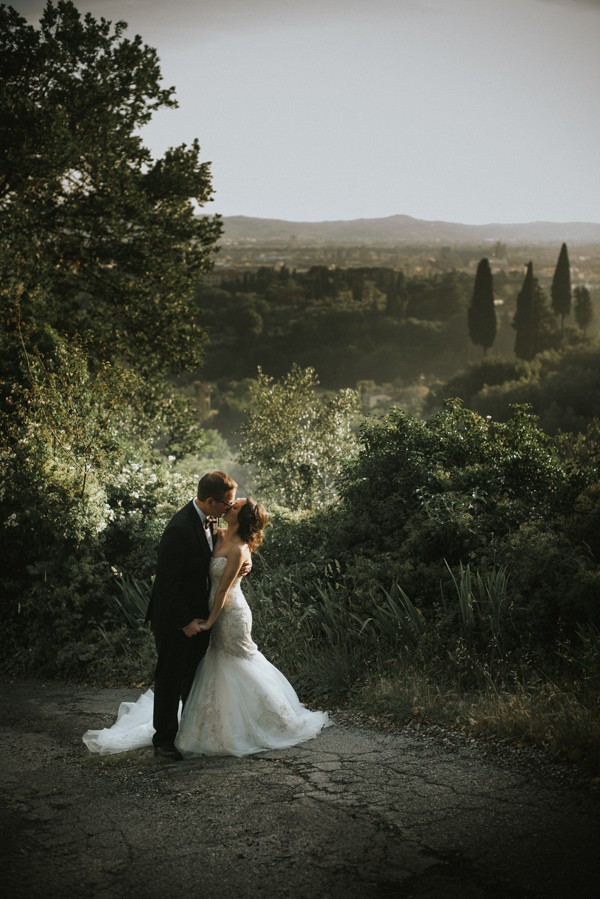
(252, 520)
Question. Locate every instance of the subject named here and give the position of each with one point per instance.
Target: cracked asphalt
(358, 812)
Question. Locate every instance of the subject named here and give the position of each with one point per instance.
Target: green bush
(460, 545)
(72, 513)
(561, 386)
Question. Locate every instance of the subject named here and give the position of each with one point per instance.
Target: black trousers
(178, 658)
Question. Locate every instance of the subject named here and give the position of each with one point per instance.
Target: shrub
(456, 515)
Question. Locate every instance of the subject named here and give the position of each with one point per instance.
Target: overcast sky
(471, 111)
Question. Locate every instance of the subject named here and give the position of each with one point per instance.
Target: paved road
(355, 813)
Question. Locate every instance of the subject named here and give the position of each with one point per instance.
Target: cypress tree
(482, 314)
(561, 286)
(544, 323)
(524, 320)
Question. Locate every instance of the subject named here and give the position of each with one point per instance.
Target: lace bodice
(232, 631)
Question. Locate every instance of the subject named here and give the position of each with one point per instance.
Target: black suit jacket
(181, 587)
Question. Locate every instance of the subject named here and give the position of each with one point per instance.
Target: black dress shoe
(167, 752)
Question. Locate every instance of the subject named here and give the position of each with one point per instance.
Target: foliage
(562, 387)
(97, 238)
(133, 599)
(482, 315)
(475, 377)
(295, 440)
(100, 249)
(458, 575)
(72, 509)
(583, 308)
(532, 322)
(459, 505)
(347, 324)
(230, 401)
(462, 478)
(437, 298)
(81, 413)
(561, 286)
(60, 551)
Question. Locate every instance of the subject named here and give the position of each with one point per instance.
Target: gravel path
(358, 812)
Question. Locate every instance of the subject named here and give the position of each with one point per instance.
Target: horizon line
(379, 218)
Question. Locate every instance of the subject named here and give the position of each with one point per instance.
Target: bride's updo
(252, 520)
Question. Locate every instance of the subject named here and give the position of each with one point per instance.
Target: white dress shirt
(204, 521)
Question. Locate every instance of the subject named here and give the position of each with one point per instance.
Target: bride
(239, 702)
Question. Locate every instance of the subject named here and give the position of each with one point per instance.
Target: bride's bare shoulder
(228, 549)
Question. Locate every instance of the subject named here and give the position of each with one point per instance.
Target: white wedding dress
(239, 703)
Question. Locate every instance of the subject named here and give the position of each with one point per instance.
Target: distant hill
(403, 229)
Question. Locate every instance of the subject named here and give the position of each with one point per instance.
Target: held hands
(195, 627)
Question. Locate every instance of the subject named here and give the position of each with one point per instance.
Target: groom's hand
(193, 628)
(246, 568)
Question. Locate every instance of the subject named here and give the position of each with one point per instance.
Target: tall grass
(462, 664)
(459, 664)
(320, 621)
(132, 599)
(305, 624)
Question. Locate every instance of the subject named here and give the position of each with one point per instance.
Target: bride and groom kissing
(214, 692)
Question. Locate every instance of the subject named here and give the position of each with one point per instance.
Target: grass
(562, 720)
(459, 666)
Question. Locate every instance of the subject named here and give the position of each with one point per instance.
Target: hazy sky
(470, 111)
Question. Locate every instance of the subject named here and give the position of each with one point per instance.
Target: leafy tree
(562, 387)
(452, 484)
(296, 440)
(546, 334)
(438, 298)
(482, 314)
(81, 494)
(97, 237)
(396, 295)
(312, 320)
(79, 415)
(99, 252)
(476, 379)
(561, 286)
(583, 308)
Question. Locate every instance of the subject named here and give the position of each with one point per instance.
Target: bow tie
(210, 522)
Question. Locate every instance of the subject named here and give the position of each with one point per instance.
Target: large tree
(100, 250)
(561, 286)
(482, 314)
(98, 238)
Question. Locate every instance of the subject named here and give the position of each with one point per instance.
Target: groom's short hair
(216, 484)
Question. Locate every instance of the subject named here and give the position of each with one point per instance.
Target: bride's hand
(194, 627)
(246, 568)
(204, 626)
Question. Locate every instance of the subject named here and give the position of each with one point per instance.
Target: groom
(179, 601)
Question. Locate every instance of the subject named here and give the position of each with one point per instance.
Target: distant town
(414, 261)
